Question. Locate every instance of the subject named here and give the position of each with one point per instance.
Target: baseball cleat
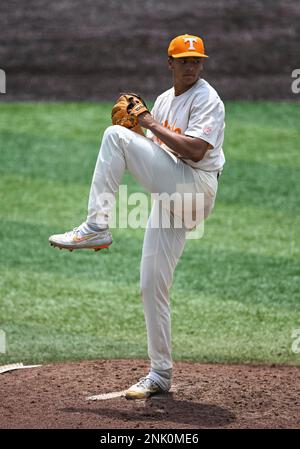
(82, 237)
(143, 389)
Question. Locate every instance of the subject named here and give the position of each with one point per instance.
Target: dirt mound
(92, 50)
(202, 396)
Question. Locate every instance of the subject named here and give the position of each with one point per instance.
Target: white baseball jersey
(198, 112)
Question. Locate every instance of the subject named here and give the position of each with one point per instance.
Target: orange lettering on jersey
(173, 128)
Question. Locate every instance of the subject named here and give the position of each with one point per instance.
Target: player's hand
(146, 120)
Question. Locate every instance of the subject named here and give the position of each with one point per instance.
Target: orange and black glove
(126, 111)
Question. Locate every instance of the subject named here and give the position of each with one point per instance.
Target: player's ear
(170, 62)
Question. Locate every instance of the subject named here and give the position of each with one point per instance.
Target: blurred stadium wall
(93, 49)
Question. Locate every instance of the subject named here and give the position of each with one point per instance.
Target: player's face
(186, 71)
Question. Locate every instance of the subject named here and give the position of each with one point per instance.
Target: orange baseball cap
(186, 45)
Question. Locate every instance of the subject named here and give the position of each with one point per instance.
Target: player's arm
(188, 147)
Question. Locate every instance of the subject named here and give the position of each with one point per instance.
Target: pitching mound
(203, 396)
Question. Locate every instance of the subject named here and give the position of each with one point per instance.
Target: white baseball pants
(157, 172)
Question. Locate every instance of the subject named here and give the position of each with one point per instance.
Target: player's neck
(180, 88)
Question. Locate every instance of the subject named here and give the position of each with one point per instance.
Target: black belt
(218, 175)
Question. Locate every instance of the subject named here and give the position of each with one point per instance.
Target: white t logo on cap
(191, 40)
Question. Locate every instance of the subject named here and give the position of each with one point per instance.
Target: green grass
(236, 291)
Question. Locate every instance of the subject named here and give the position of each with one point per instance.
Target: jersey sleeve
(206, 120)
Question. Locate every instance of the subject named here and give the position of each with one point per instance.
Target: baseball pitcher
(181, 151)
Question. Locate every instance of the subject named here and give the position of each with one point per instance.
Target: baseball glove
(126, 111)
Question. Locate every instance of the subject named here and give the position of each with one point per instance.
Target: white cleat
(143, 389)
(82, 238)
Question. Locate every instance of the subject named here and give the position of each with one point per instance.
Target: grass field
(236, 291)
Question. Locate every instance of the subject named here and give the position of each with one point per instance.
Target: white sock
(96, 227)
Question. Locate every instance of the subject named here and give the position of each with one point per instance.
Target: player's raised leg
(121, 149)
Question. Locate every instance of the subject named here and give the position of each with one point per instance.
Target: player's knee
(115, 130)
(111, 130)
